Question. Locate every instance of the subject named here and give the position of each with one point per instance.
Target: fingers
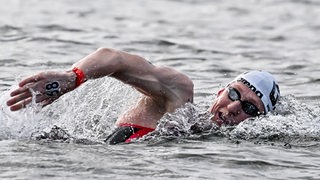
(24, 85)
(23, 96)
(21, 104)
(19, 97)
(20, 101)
(45, 87)
(31, 79)
(20, 90)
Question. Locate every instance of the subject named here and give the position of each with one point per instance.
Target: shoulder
(177, 83)
(170, 75)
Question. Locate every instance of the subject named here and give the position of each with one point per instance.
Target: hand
(45, 87)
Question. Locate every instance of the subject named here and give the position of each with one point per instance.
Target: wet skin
(228, 112)
(163, 89)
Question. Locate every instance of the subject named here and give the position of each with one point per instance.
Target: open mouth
(222, 117)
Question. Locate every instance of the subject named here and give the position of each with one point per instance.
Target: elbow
(109, 55)
(110, 59)
(106, 51)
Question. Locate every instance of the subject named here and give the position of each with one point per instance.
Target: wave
(89, 113)
(292, 123)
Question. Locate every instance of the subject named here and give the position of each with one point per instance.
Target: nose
(234, 108)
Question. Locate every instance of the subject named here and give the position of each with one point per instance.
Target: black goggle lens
(248, 107)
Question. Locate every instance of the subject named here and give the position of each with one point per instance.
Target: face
(231, 112)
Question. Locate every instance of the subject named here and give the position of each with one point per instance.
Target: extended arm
(160, 83)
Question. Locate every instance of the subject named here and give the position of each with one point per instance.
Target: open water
(210, 41)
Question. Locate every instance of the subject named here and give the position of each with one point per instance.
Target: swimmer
(164, 90)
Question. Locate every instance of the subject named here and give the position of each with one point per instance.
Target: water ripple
(45, 39)
(8, 62)
(11, 33)
(55, 27)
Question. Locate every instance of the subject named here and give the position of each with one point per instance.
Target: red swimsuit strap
(135, 126)
(141, 131)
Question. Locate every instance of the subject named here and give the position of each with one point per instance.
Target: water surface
(210, 41)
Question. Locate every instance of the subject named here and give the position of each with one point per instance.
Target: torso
(147, 112)
(163, 90)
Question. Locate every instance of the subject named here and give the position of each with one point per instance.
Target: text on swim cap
(252, 87)
(274, 96)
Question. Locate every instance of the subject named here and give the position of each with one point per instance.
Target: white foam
(92, 109)
(89, 111)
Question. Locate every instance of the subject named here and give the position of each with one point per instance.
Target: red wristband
(81, 78)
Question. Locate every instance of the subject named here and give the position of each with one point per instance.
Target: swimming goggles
(248, 107)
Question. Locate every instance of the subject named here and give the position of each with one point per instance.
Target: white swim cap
(264, 85)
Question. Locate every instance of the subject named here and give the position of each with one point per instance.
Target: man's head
(248, 95)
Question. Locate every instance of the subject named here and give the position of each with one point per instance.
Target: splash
(88, 112)
(292, 122)
(189, 121)
(16, 124)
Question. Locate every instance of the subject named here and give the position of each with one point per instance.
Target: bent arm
(160, 83)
